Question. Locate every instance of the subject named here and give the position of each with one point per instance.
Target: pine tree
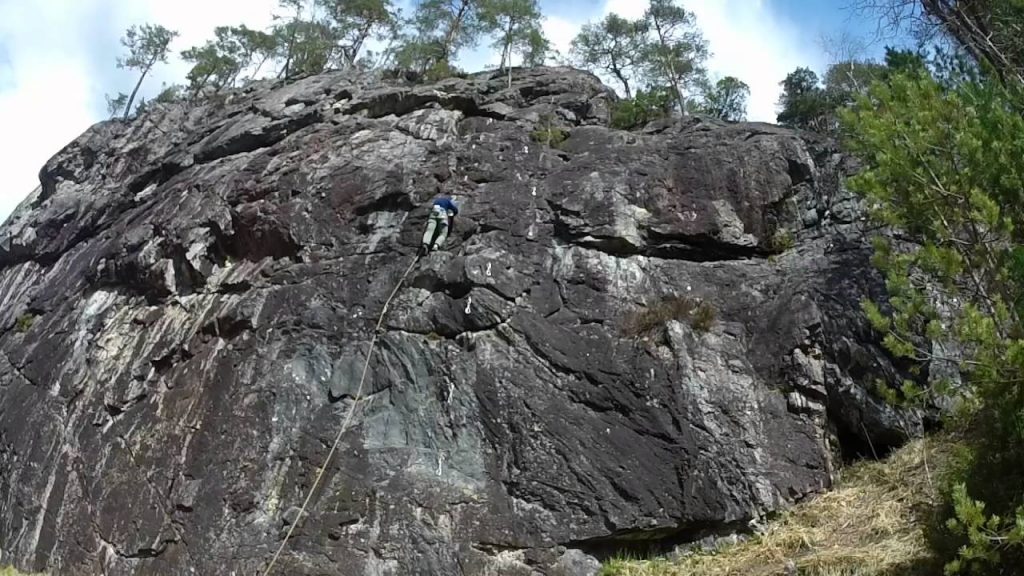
(517, 24)
(357, 21)
(726, 99)
(147, 45)
(677, 51)
(803, 103)
(306, 43)
(615, 45)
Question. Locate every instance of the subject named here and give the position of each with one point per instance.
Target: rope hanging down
(348, 418)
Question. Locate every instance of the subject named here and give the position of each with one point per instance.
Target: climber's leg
(442, 232)
(428, 234)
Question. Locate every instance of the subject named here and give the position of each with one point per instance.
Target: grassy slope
(870, 525)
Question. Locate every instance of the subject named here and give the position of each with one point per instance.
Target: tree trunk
(671, 68)
(507, 52)
(131, 99)
(286, 71)
(617, 72)
(357, 43)
(260, 65)
(976, 36)
(449, 38)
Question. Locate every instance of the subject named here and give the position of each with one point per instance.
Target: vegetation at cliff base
(943, 147)
(12, 572)
(875, 523)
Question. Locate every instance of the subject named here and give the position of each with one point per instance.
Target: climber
(441, 220)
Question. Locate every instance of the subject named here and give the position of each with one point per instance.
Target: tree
(678, 50)
(357, 21)
(147, 45)
(942, 152)
(306, 44)
(536, 49)
(210, 67)
(803, 102)
(615, 45)
(726, 99)
(457, 21)
(219, 63)
(990, 31)
(517, 24)
(944, 168)
(253, 46)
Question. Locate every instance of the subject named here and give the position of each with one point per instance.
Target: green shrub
(6, 571)
(636, 112)
(781, 240)
(442, 70)
(550, 137)
(945, 167)
(24, 323)
(700, 315)
(548, 134)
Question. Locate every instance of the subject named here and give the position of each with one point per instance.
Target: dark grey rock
(203, 297)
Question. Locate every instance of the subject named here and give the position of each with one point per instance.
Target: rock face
(187, 300)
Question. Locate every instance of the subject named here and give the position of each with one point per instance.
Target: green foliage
(663, 51)
(24, 323)
(306, 45)
(146, 44)
(803, 103)
(7, 571)
(537, 49)
(220, 63)
(781, 240)
(354, 22)
(116, 104)
(517, 26)
(615, 46)
(211, 66)
(946, 167)
(726, 99)
(636, 112)
(548, 134)
(811, 103)
(439, 30)
(169, 94)
(676, 51)
(701, 315)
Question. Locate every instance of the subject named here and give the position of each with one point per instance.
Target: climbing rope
(348, 417)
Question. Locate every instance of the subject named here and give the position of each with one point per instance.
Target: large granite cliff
(187, 300)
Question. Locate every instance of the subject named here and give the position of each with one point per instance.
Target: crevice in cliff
(402, 102)
(700, 248)
(252, 140)
(642, 543)
(17, 369)
(163, 503)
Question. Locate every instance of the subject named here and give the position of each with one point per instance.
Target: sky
(57, 57)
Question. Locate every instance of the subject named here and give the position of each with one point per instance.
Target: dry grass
(700, 315)
(872, 524)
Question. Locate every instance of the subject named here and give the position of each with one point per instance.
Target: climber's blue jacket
(447, 204)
